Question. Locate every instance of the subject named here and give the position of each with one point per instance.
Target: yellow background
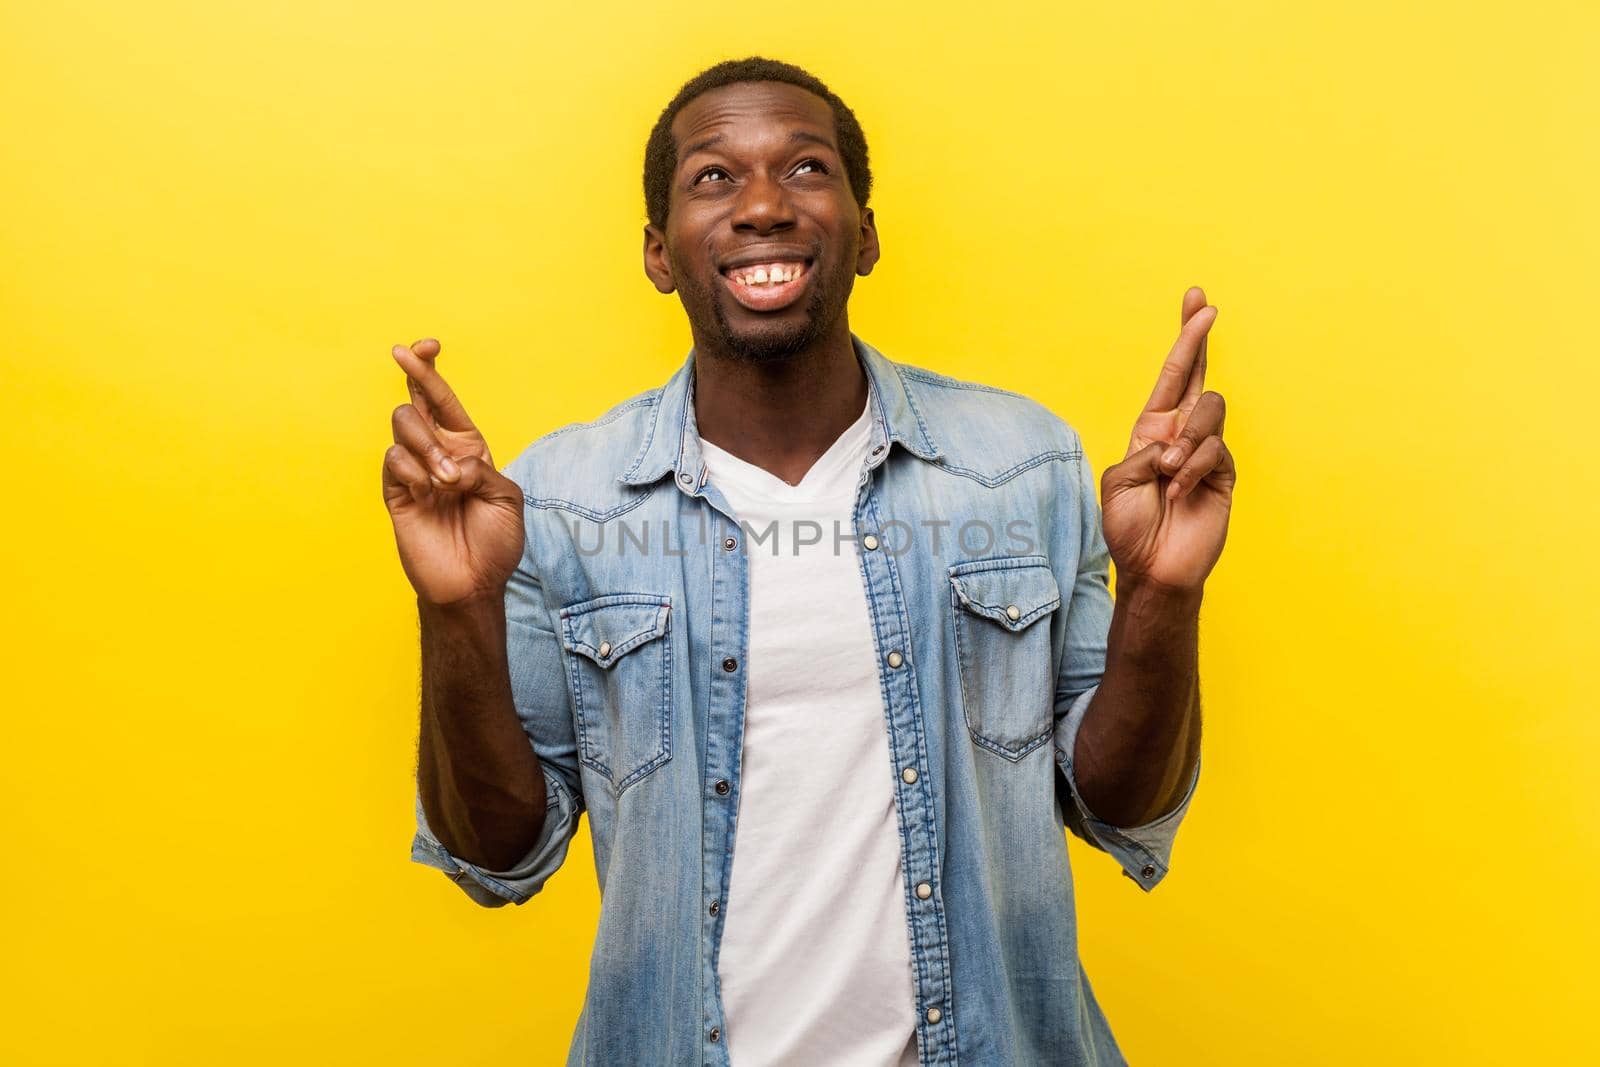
(217, 218)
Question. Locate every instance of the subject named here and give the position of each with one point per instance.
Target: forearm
(481, 785)
(1139, 741)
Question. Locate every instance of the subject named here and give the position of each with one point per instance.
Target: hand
(1165, 520)
(457, 520)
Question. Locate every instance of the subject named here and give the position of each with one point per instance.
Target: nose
(763, 206)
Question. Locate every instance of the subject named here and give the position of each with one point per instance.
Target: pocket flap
(609, 627)
(1013, 592)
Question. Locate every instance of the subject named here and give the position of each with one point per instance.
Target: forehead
(750, 113)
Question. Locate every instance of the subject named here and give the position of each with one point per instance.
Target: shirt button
(686, 477)
(1149, 870)
(934, 1015)
(869, 542)
(715, 1035)
(729, 543)
(722, 787)
(730, 664)
(605, 649)
(716, 906)
(908, 775)
(1061, 755)
(895, 659)
(1013, 613)
(924, 891)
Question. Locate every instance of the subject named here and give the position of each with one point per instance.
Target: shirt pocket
(619, 669)
(1002, 609)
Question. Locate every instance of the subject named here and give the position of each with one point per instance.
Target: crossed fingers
(418, 459)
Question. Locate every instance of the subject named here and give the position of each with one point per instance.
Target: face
(763, 237)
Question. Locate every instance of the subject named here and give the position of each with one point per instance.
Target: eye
(817, 163)
(708, 170)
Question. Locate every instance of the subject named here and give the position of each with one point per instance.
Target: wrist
(1152, 596)
(473, 609)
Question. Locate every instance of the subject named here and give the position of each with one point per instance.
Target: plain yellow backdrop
(217, 219)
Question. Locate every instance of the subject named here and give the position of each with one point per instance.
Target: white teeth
(774, 274)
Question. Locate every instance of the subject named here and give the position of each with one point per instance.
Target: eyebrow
(795, 137)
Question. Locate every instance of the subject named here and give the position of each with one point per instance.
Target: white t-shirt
(815, 962)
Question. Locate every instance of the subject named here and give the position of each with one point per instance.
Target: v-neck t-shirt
(815, 956)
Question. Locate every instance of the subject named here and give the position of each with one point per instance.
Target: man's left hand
(1165, 507)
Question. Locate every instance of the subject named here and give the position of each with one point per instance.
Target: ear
(657, 264)
(868, 256)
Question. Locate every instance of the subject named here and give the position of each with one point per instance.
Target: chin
(772, 344)
(776, 340)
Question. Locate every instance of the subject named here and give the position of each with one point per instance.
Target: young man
(823, 643)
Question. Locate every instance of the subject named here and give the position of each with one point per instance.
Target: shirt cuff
(494, 889)
(1144, 852)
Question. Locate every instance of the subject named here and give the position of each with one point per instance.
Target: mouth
(769, 285)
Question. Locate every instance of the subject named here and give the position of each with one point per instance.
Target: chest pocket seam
(1007, 708)
(622, 696)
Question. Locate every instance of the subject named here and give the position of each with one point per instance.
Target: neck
(780, 416)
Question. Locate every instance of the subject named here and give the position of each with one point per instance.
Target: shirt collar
(671, 441)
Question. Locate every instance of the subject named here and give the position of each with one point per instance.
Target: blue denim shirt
(986, 575)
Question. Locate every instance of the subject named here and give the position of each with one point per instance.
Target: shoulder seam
(608, 417)
(555, 503)
(947, 382)
(1006, 475)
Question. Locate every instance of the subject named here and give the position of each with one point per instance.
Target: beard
(771, 342)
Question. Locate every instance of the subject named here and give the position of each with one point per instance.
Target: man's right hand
(457, 519)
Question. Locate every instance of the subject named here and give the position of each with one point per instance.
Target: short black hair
(661, 151)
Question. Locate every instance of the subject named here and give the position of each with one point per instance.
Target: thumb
(481, 480)
(1141, 468)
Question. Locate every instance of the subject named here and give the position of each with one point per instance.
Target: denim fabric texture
(987, 579)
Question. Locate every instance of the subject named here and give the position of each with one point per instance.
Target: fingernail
(1171, 455)
(398, 350)
(448, 467)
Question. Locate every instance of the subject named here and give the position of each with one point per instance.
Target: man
(823, 643)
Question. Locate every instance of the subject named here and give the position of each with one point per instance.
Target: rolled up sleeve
(1144, 852)
(544, 708)
(517, 885)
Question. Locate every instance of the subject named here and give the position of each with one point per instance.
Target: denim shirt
(987, 582)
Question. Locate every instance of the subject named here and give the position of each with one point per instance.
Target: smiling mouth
(768, 286)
